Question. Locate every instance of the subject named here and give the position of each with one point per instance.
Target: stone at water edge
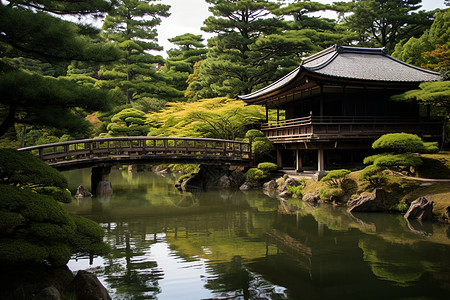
(49, 293)
(82, 192)
(421, 209)
(270, 185)
(372, 203)
(87, 287)
(224, 182)
(289, 182)
(311, 197)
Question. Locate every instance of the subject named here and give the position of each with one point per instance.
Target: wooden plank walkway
(142, 149)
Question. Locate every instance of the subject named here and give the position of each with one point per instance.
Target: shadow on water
(235, 245)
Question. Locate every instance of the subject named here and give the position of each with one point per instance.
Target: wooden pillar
(279, 158)
(320, 160)
(278, 114)
(299, 162)
(267, 114)
(321, 101)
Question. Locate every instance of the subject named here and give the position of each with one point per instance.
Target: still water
(249, 245)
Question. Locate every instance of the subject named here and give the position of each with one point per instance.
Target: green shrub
(252, 134)
(295, 190)
(399, 143)
(267, 167)
(326, 193)
(430, 147)
(262, 149)
(255, 175)
(335, 177)
(373, 174)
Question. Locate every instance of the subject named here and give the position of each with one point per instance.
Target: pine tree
(132, 25)
(247, 52)
(180, 63)
(386, 22)
(29, 31)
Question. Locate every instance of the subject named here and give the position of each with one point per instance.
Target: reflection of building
(338, 99)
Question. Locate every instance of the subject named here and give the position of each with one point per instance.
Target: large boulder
(270, 185)
(369, 203)
(421, 209)
(87, 287)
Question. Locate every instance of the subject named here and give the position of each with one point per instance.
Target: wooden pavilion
(339, 100)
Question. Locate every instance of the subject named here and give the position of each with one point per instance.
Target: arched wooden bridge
(142, 149)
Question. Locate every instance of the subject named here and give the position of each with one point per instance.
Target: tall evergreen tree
(180, 63)
(133, 26)
(386, 22)
(28, 30)
(247, 52)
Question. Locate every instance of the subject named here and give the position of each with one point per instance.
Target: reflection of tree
(400, 263)
(128, 268)
(233, 280)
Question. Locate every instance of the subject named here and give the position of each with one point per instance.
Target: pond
(248, 245)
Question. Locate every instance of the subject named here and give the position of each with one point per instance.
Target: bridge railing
(141, 146)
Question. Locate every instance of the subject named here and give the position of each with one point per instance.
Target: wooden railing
(141, 147)
(343, 127)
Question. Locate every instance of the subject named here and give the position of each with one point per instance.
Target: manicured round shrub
(267, 167)
(402, 143)
(255, 175)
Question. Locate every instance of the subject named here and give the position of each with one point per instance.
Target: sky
(187, 16)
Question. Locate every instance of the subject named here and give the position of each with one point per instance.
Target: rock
(447, 212)
(369, 203)
(49, 293)
(289, 182)
(224, 182)
(421, 209)
(87, 287)
(237, 178)
(311, 197)
(285, 194)
(82, 192)
(270, 185)
(245, 187)
(104, 187)
(319, 175)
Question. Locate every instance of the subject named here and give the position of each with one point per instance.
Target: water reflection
(234, 245)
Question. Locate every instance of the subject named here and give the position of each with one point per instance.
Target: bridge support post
(100, 184)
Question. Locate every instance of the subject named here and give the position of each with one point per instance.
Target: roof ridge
(319, 54)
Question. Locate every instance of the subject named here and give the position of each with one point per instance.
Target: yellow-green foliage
(214, 118)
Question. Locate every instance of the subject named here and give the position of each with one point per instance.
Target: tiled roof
(367, 64)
